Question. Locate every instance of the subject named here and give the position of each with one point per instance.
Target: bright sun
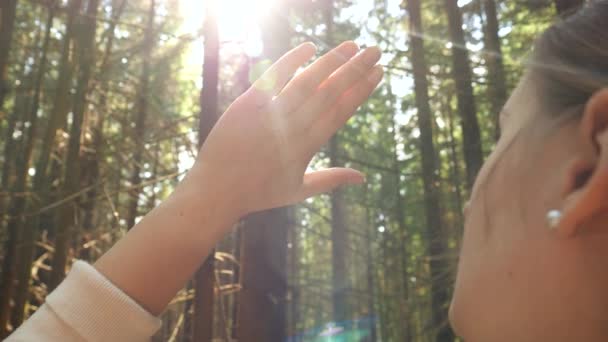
(238, 22)
(237, 19)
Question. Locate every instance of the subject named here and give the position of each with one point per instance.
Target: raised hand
(257, 155)
(255, 158)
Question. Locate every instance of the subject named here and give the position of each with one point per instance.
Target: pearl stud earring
(553, 218)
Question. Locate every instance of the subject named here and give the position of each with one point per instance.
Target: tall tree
(8, 9)
(41, 182)
(95, 155)
(454, 169)
(17, 220)
(262, 311)
(294, 292)
(434, 225)
(60, 107)
(71, 179)
(262, 301)
(462, 74)
(143, 99)
(338, 220)
(493, 55)
(204, 279)
(370, 272)
(9, 267)
(404, 237)
(567, 7)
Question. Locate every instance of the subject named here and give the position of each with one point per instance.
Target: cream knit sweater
(87, 307)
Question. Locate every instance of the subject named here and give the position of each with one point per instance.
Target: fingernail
(308, 45)
(376, 74)
(371, 55)
(358, 179)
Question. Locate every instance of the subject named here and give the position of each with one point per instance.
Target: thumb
(324, 181)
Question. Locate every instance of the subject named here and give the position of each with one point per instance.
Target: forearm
(254, 159)
(157, 257)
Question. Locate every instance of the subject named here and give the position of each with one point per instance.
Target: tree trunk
(371, 274)
(10, 145)
(405, 315)
(8, 9)
(494, 62)
(237, 238)
(26, 241)
(41, 183)
(60, 105)
(262, 313)
(384, 290)
(7, 168)
(455, 178)
(118, 10)
(461, 71)
(262, 310)
(187, 329)
(294, 288)
(568, 7)
(434, 231)
(339, 244)
(140, 120)
(94, 158)
(204, 279)
(338, 231)
(9, 266)
(69, 211)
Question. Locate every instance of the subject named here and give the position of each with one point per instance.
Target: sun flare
(238, 22)
(237, 19)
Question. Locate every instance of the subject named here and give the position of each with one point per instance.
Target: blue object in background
(347, 331)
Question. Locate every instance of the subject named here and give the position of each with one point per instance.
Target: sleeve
(88, 307)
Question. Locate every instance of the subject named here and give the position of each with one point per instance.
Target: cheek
(537, 290)
(493, 243)
(509, 266)
(494, 284)
(476, 282)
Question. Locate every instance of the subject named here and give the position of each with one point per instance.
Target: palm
(261, 146)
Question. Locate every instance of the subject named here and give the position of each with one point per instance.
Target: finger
(306, 83)
(324, 181)
(342, 80)
(274, 79)
(335, 118)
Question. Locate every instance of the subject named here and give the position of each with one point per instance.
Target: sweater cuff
(98, 310)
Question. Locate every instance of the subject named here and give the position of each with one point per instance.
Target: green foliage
(388, 263)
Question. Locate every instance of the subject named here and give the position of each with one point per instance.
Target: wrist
(203, 206)
(166, 247)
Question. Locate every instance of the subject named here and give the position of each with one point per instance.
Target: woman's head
(518, 280)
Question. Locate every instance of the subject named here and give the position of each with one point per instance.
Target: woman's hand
(255, 158)
(257, 155)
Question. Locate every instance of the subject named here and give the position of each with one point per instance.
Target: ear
(586, 193)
